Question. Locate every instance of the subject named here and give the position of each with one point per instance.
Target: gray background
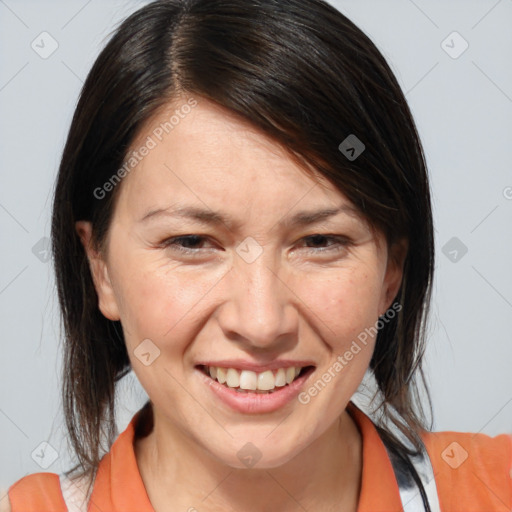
(463, 108)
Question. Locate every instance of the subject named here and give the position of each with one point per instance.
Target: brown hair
(303, 74)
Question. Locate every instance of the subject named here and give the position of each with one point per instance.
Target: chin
(258, 451)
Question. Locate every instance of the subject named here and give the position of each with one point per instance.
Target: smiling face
(225, 254)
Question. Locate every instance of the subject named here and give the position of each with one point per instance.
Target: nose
(259, 310)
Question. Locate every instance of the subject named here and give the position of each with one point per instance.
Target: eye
(189, 244)
(324, 243)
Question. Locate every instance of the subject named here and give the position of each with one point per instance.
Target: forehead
(206, 154)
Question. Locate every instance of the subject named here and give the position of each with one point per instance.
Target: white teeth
(221, 375)
(266, 380)
(247, 380)
(232, 378)
(280, 378)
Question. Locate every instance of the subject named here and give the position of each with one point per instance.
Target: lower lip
(256, 403)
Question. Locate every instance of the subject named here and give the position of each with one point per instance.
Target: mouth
(248, 381)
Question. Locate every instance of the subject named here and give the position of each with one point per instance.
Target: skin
(302, 298)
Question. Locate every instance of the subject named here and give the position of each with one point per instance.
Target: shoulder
(472, 471)
(5, 504)
(38, 492)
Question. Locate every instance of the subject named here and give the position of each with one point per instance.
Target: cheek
(346, 304)
(159, 301)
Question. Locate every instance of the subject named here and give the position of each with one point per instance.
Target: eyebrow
(209, 217)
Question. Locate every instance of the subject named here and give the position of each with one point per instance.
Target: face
(224, 256)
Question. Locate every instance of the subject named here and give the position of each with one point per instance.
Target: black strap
(415, 479)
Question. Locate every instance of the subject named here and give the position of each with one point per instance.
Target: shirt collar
(119, 487)
(379, 489)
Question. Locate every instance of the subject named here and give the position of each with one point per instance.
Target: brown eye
(325, 242)
(186, 243)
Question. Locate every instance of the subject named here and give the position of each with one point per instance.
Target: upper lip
(240, 364)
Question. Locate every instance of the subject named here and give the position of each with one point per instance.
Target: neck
(326, 475)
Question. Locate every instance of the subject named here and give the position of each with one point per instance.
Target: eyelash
(339, 243)
(171, 242)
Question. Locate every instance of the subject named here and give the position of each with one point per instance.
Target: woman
(242, 216)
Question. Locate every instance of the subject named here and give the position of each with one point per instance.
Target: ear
(397, 254)
(99, 272)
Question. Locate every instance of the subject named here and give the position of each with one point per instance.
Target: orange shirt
(472, 473)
